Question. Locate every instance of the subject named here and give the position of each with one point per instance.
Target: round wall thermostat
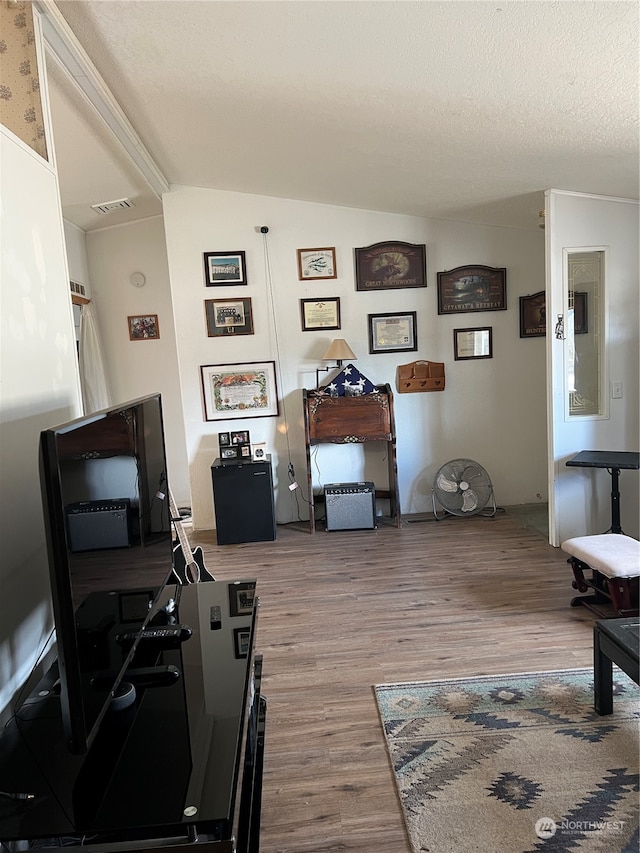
(137, 279)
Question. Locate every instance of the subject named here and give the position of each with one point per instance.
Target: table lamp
(338, 350)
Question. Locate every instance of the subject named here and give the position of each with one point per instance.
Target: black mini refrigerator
(243, 501)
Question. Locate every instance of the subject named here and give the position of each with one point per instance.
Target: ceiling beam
(73, 59)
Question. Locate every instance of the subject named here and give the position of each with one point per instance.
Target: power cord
(292, 479)
(12, 796)
(294, 489)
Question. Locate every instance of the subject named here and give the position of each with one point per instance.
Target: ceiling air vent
(110, 206)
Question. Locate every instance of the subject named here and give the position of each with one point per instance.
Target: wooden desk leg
(602, 678)
(615, 501)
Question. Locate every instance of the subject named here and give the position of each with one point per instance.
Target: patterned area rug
(515, 763)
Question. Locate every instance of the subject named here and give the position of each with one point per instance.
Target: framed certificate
(320, 313)
(393, 332)
(316, 263)
(239, 391)
(472, 343)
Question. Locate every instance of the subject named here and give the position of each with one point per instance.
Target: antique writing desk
(352, 420)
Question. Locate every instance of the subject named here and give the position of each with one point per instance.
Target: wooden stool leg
(579, 582)
(622, 595)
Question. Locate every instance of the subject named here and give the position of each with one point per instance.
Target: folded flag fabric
(348, 383)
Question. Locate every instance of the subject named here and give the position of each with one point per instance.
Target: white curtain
(93, 375)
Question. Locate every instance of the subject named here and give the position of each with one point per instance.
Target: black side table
(614, 641)
(613, 461)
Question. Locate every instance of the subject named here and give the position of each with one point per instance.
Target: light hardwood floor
(342, 611)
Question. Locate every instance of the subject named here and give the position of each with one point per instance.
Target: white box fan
(463, 487)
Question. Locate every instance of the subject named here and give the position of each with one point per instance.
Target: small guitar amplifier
(350, 506)
(92, 525)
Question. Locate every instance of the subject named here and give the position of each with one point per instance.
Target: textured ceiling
(453, 110)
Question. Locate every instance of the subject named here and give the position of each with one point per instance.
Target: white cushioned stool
(614, 562)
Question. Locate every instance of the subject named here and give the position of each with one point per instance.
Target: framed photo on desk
(241, 637)
(241, 596)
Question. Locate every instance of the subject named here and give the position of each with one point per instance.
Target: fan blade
(469, 500)
(474, 475)
(446, 485)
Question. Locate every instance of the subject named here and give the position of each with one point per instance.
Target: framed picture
(222, 268)
(245, 451)
(316, 263)
(241, 637)
(259, 451)
(320, 313)
(476, 288)
(224, 439)
(533, 318)
(143, 327)
(533, 315)
(387, 266)
(393, 332)
(241, 595)
(240, 437)
(229, 453)
(245, 390)
(227, 317)
(580, 320)
(472, 343)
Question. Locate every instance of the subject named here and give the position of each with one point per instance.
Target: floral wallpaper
(20, 104)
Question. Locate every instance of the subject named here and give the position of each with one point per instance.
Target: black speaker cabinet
(92, 525)
(243, 501)
(350, 506)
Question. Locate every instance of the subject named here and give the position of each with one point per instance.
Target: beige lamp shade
(339, 350)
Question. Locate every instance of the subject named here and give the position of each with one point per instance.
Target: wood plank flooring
(342, 611)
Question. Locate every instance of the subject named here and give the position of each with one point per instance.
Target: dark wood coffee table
(614, 641)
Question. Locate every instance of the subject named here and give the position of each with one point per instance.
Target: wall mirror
(584, 334)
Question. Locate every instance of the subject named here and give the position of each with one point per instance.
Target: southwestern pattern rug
(515, 763)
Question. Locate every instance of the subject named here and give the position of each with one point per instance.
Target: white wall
(140, 367)
(77, 261)
(492, 411)
(38, 388)
(581, 504)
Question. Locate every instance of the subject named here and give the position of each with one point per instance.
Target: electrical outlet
(616, 390)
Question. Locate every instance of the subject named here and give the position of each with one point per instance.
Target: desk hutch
(352, 420)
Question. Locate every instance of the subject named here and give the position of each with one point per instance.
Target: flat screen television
(108, 530)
